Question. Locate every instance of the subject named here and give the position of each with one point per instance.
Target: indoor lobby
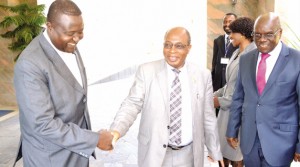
(119, 36)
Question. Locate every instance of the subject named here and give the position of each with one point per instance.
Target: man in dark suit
(266, 100)
(51, 89)
(222, 53)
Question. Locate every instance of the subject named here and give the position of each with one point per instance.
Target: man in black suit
(222, 53)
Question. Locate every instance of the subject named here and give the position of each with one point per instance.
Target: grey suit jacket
(225, 93)
(54, 117)
(225, 99)
(149, 95)
(273, 115)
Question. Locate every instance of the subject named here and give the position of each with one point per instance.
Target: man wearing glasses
(177, 113)
(266, 100)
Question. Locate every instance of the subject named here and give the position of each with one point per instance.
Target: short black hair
(59, 7)
(243, 25)
(229, 14)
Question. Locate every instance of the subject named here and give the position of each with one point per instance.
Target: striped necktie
(175, 110)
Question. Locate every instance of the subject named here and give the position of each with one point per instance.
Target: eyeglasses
(169, 45)
(267, 36)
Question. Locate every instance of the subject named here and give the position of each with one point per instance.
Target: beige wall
(289, 13)
(215, 12)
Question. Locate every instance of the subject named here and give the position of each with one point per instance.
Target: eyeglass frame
(267, 35)
(176, 45)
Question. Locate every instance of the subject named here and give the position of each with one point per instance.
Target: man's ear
(49, 26)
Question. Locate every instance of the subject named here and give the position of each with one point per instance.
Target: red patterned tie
(261, 72)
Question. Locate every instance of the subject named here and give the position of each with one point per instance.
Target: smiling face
(241, 31)
(267, 32)
(226, 22)
(176, 47)
(66, 32)
(236, 38)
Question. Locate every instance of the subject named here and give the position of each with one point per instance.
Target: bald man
(150, 95)
(266, 100)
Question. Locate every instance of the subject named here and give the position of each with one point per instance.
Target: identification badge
(224, 60)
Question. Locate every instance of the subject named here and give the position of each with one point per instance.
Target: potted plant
(25, 24)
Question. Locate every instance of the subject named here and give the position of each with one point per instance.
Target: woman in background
(241, 36)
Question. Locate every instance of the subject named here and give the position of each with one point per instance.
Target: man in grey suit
(266, 99)
(51, 89)
(160, 143)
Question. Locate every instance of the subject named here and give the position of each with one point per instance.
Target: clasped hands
(107, 139)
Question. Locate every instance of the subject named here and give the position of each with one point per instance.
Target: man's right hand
(105, 140)
(116, 135)
(233, 142)
(216, 102)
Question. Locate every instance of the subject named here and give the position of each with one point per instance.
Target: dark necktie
(175, 109)
(261, 72)
(227, 44)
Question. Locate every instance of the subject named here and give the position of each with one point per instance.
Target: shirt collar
(182, 69)
(276, 50)
(58, 51)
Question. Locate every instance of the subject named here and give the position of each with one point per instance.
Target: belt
(178, 147)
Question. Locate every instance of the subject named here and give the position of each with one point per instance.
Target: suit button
(164, 146)
(168, 127)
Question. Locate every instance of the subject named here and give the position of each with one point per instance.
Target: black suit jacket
(218, 69)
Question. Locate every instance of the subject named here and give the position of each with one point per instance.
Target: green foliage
(26, 22)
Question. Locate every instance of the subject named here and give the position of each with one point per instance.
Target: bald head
(268, 20)
(180, 31)
(176, 46)
(267, 32)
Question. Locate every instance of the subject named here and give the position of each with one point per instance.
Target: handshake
(107, 139)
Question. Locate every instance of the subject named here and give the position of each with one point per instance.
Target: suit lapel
(279, 65)
(59, 64)
(82, 70)
(84, 84)
(223, 45)
(162, 78)
(233, 62)
(193, 87)
(253, 61)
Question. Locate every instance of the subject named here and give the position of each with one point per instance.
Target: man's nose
(76, 38)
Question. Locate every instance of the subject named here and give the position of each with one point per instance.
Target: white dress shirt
(271, 60)
(186, 112)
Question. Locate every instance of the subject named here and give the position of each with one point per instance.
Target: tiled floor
(124, 154)
(104, 101)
